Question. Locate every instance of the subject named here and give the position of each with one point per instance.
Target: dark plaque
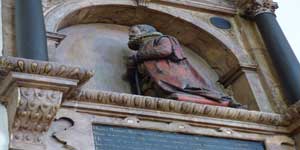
(220, 22)
(121, 138)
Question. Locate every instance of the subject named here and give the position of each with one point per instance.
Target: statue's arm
(161, 50)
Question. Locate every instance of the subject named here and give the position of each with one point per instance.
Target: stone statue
(160, 69)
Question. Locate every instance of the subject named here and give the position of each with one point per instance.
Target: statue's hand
(131, 61)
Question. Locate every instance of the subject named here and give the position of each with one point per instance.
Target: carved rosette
(35, 111)
(261, 6)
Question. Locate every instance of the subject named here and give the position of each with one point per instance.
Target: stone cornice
(211, 5)
(14, 64)
(227, 7)
(167, 105)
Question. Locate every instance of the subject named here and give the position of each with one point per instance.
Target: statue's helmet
(138, 32)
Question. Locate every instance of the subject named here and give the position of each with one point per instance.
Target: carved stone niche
(33, 92)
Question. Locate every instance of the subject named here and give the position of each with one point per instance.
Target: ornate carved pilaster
(33, 91)
(257, 7)
(34, 110)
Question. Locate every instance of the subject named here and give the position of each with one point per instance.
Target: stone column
(282, 55)
(30, 30)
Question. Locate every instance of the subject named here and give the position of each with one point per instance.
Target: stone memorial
(71, 78)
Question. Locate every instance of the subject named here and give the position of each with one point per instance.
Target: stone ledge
(167, 105)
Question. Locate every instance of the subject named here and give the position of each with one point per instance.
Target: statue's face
(134, 32)
(134, 43)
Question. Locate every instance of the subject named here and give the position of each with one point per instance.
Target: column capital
(256, 7)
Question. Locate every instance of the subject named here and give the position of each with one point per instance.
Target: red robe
(166, 65)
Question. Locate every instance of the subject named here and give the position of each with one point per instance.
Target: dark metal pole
(282, 55)
(31, 40)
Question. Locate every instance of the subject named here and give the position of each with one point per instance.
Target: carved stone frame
(85, 115)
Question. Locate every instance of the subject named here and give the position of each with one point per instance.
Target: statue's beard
(134, 44)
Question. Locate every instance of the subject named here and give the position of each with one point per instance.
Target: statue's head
(138, 32)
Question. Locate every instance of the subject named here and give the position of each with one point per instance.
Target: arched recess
(217, 48)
